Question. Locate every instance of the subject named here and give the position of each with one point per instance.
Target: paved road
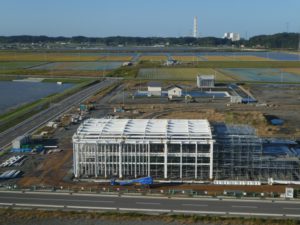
(52, 112)
(265, 208)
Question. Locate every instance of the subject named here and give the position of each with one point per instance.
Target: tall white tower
(195, 31)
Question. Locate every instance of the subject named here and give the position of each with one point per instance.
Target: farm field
(115, 58)
(185, 58)
(280, 56)
(60, 57)
(18, 65)
(83, 66)
(153, 58)
(249, 58)
(261, 75)
(235, 58)
(217, 58)
(179, 74)
(291, 70)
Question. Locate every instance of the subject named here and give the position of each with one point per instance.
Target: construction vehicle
(139, 181)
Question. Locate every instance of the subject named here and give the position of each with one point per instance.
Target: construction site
(146, 129)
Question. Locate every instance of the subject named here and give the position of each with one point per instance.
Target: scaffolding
(127, 148)
(239, 155)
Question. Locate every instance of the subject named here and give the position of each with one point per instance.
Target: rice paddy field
(223, 75)
(292, 70)
(217, 58)
(179, 74)
(262, 75)
(186, 58)
(155, 58)
(81, 66)
(18, 65)
(61, 57)
(235, 58)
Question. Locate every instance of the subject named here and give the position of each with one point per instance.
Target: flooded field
(262, 75)
(14, 94)
(79, 66)
(179, 74)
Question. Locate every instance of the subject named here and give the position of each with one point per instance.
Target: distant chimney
(195, 31)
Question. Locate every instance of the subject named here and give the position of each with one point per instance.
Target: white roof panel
(143, 129)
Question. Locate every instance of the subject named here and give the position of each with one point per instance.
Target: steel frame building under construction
(187, 150)
(127, 148)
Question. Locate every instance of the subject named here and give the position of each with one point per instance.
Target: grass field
(179, 74)
(153, 58)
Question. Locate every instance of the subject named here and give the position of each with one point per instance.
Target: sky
(147, 18)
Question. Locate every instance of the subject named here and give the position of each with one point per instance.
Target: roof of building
(154, 84)
(207, 77)
(145, 129)
(173, 86)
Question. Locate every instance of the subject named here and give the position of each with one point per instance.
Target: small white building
(174, 91)
(154, 89)
(205, 81)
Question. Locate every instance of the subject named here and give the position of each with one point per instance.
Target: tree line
(276, 41)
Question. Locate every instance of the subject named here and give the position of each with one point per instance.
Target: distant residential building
(232, 36)
(174, 91)
(171, 62)
(154, 89)
(205, 81)
(127, 64)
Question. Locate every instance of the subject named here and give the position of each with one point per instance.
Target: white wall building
(232, 36)
(174, 91)
(130, 148)
(205, 81)
(154, 89)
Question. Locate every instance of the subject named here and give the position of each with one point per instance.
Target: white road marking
(244, 206)
(254, 214)
(145, 210)
(198, 212)
(196, 205)
(88, 207)
(147, 203)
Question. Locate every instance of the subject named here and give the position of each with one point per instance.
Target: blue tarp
(277, 122)
(142, 181)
